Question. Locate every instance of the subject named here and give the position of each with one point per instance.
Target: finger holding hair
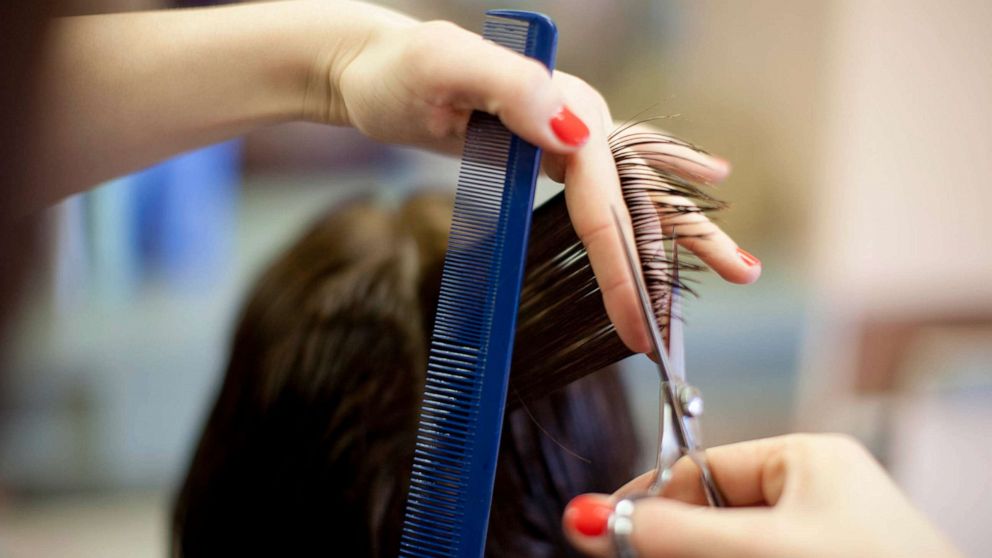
(683, 198)
(592, 189)
(592, 192)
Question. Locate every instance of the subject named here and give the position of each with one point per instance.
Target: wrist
(291, 52)
(323, 39)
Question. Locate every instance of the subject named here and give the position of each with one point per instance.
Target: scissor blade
(676, 338)
(647, 313)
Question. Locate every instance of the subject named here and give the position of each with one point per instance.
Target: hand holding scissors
(798, 495)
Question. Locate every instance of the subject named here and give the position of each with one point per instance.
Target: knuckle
(589, 96)
(566, 80)
(834, 439)
(836, 444)
(418, 41)
(598, 99)
(440, 29)
(535, 74)
(529, 79)
(426, 39)
(615, 284)
(802, 443)
(589, 235)
(846, 444)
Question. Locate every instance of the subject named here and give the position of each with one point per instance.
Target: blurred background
(860, 133)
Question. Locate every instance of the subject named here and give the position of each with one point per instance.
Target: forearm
(120, 92)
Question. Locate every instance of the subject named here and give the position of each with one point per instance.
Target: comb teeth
(454, 461)
(510, 33)
(449, 412)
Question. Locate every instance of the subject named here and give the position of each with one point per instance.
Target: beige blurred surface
(902, 187)
(127, 525)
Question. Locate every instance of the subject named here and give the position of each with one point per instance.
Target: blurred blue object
(185, 214)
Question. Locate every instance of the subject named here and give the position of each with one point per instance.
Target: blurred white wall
(901, 251)
(903, 187)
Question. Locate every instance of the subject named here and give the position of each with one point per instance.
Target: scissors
(681, 403)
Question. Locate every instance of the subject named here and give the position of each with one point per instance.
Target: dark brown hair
(309, 447)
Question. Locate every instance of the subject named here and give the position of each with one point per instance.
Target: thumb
(668, 528)
(665, 528)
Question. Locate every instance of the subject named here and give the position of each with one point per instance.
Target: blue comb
(461, 416)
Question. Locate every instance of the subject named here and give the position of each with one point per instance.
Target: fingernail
(588, 515)
(746, 256)
(569, 128)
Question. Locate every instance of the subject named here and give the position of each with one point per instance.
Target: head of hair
(309, 446)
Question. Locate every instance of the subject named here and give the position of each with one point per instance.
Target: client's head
(309, 446)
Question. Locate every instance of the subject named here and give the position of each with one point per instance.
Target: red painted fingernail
(750, 260)
(569, 128)
(588, 515)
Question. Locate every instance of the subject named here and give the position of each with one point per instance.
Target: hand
(206, 75)
(592, 187)
(418, 83)
(798, 495)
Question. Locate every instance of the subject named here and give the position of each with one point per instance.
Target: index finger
(592, 190)
(670, 174)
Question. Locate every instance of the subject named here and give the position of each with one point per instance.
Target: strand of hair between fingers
(560, 288)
